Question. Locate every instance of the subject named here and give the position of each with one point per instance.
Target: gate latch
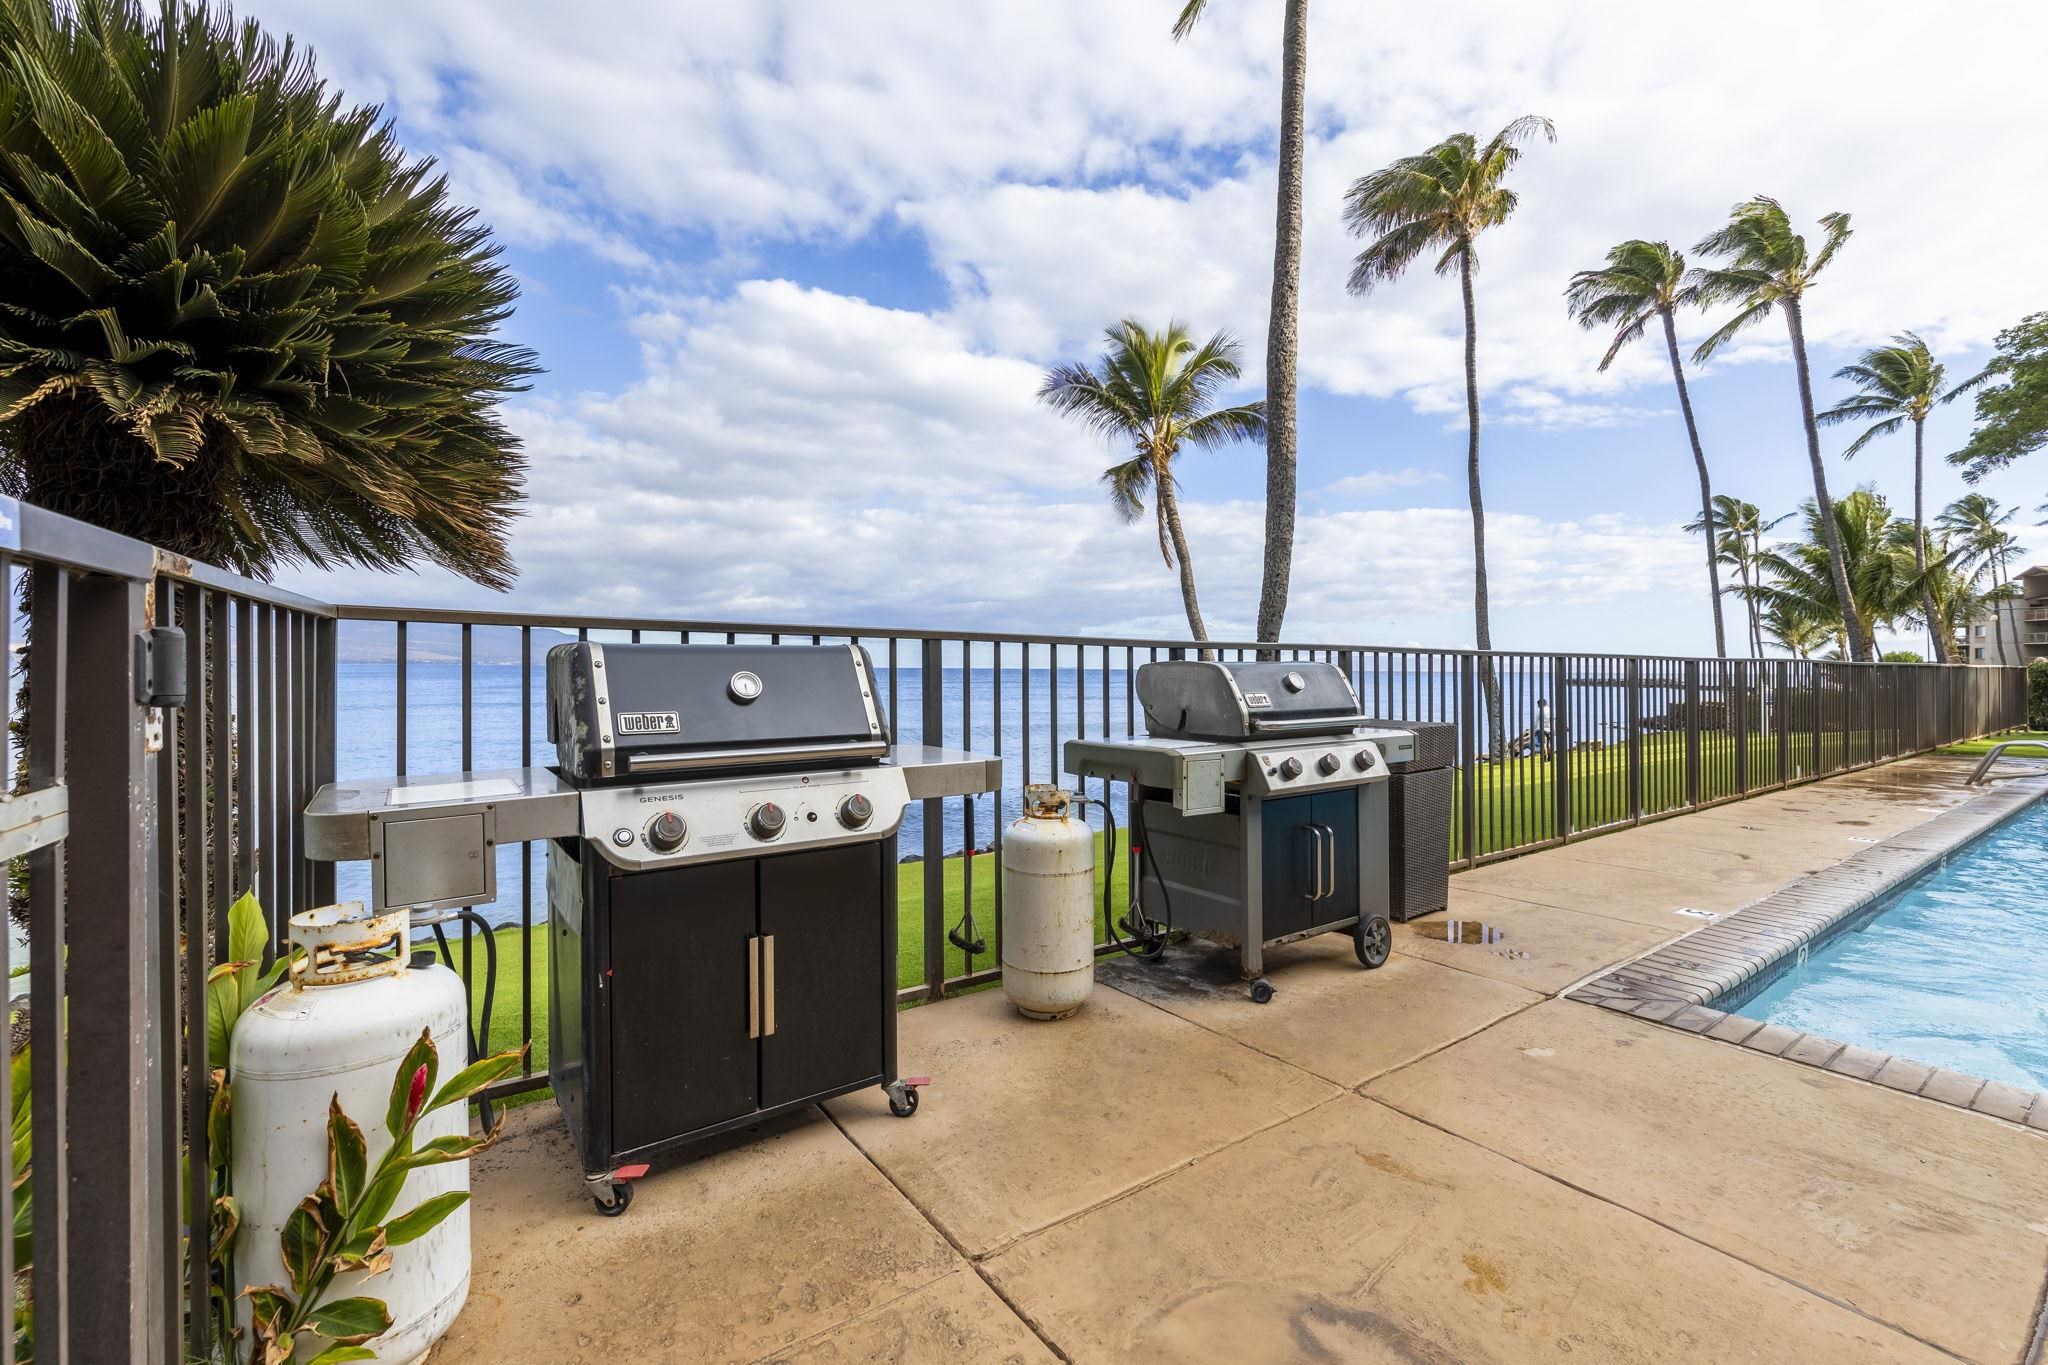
(160, 666)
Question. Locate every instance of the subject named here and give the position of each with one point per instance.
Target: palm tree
(236, 320)
(1800, 577)
(1767, 265)
(1739, 529)
(1283, 320)
(1956, 587)
(1445, 198)
(1797, 633)
(1900, 383)
(1645, 280)
(1977, 522)
(1155, 390)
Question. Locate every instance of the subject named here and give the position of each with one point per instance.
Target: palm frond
(1190, 15)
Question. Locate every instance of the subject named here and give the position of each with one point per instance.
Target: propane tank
(1048, 907)
(337, 1026)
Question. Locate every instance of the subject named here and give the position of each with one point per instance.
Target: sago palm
(1738, 538)
(1975, 523)
(1640, 282)
(1284, 315)
(236, 320)
(1878, 567)
(1900, 383)
(1441, 201)
(1156, 391)
(1766, 265)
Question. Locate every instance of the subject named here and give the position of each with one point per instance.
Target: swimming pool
(1950, 969)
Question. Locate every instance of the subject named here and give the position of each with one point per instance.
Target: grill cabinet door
(1287, 866)
(823, 910)
(681, 1057)
(1337, 812)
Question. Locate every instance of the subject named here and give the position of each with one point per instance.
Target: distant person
(1546, 743)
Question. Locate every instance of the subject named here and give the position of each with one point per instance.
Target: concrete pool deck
(1443, 1160)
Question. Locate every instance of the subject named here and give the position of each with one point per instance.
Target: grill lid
(646, 710)
(1217, 700)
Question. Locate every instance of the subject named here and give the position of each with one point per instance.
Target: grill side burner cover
(620, 711)
(1242, 700)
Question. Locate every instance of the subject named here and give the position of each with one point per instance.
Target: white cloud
(1375, 481)
(799, 456)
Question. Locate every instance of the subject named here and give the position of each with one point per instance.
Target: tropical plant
(1283, 318)
(345, 1225)
(1798, 634)
(236, 320)
(1445, 198)
(2012, 409)
(1955, 591)
(1766, 265)
(1641, 281)
(1739, 529)
(1877, 563)
(1156, 390)
(1900, 383)
(1901, 656)
(2037, 695)
(1977, 523)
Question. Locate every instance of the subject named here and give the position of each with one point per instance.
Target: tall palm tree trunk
(1482, 625)
(1699, 459)
(1168, 506)
(1281, 328)
(1859, 640)
(1935, 643)
(2000, 579)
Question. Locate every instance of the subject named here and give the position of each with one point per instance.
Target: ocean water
(1951, 970)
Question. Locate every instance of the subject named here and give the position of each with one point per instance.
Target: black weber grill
(721, 881)
(1259, 796)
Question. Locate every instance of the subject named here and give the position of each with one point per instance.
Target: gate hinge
(160, 666)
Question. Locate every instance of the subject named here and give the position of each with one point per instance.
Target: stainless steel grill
(1259, 807)
(721, 883)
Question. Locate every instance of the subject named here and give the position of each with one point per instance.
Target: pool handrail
(1992, 754)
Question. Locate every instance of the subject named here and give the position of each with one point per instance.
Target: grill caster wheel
(902, 1099)
(1262, 990)
(621, 1200)
(1373, 939)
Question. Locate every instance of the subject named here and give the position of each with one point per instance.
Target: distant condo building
(2017, 631)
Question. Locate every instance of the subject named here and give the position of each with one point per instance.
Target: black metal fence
(130, 827)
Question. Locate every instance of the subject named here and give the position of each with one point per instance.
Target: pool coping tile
(1675, 983)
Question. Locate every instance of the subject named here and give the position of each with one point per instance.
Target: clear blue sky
(794, 271)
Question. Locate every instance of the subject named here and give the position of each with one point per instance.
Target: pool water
(1951, 969)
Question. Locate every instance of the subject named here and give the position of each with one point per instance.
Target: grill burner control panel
(669, 824)
(1312, 765)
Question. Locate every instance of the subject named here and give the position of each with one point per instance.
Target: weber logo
(1258, 699)
(649, 723)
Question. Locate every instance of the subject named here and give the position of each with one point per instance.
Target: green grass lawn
(1517, 803)
(1972, 748)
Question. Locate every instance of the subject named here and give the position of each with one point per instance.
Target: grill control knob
(765, 820)
(1362, 760)
(1290, 768)
(666, 832)
(1328, 763)
(855, 811)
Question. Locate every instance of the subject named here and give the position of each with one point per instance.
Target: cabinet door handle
(754, 987)
(768, 987)
(1330, 852)
(1315, 859)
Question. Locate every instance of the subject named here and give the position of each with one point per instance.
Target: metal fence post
(1561, 744)
(931, 685)
(1632, 685)
(1736, 674)
(123, 1262)
(1781, 685)
(50, 1108)
(1692, 732)
(1468, 758)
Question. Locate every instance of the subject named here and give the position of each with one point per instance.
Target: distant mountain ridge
(369, 642)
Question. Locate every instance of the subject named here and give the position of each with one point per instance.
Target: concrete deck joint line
(1678, 983)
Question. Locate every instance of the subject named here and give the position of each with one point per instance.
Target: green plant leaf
(382, 1194)
(350, 1321)
(346, 1156)
(476, 1076)
(335, 1355)
(422, 1054)
(220, 1123)
(248, 937)
(227, 1221)
(223, 1007)
(443, 1150)
(303, 1243)
(409, 1227)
